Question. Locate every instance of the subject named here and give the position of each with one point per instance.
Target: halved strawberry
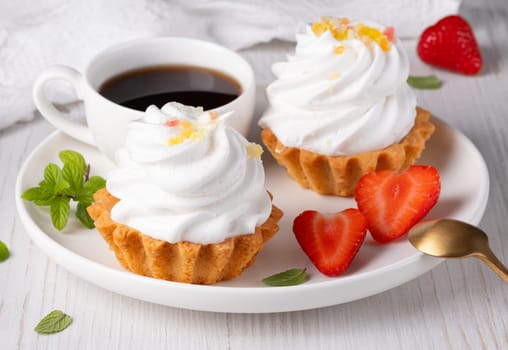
(330, 241)
(394, 202)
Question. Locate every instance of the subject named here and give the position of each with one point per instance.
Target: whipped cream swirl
(341, 97)
(184, 176)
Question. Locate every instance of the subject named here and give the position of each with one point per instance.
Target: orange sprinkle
(175, 140)
(340, 34)
(339, 49)
(341, 29)
(172, 123)
(373, 34)
(319, 28)
(187, 131)
(389, 33)
(337, 27)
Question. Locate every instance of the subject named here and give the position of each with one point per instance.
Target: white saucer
(376, 268)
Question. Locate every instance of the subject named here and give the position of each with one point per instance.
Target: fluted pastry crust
(338, 175)
(183, 261)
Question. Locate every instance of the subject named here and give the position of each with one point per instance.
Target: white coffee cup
(106, 120)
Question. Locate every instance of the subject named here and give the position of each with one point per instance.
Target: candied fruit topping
(254, 150)
(339, 49)
(175, 140)
(187, 129)
(341, 34)
(193, 131)
(370, 33)
(342, 30)
(172, 123)
(338, 28)
(389, 33)
(319, 28)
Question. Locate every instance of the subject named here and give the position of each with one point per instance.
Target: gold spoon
(447, 238)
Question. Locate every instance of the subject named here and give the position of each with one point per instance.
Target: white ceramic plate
(376, 268)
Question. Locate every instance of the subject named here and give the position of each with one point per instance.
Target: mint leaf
(54, 322)
(37, 195)
(424, 82)
(69, 157)
(83, 216)
(4, 251)
(89, 188)
(59, 186)
(287, 278)
(59, 209)
(34, 193)
(94, 183)
(85, 198)
(47, 187)
(73, 174)
(51, 174)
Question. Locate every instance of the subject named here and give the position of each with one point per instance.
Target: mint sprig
(429, 82)
(4, 251)
(54, 322)
(290, 277)
(60, 186)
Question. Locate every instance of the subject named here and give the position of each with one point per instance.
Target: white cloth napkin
(34, 35)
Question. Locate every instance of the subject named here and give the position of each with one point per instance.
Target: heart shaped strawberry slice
(451, 44)
(330, 241)
(394, 202)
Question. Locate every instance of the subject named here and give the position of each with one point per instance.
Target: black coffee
(189, 85)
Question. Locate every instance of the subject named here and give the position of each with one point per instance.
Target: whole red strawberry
(330, 241)
(450, 44)
(393, 202)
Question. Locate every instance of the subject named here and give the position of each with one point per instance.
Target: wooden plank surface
(458, 305)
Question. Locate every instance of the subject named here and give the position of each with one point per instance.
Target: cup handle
(48, 110)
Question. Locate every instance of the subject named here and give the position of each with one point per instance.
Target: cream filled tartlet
(341, 107)
(187, 201)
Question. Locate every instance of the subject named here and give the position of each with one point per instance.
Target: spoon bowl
(447, 238)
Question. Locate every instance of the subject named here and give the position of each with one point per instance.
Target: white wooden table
(458, 305)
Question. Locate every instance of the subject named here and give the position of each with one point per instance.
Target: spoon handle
(490, 259)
